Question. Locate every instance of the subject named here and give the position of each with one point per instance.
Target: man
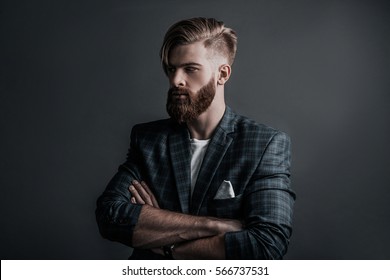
(206, 183)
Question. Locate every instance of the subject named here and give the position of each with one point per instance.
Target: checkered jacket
(253, 157)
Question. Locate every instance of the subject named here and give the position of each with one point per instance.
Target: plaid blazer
(253, 157)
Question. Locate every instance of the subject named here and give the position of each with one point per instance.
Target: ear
(224, 72)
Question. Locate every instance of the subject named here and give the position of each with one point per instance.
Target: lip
(179, 98)
(179, 95)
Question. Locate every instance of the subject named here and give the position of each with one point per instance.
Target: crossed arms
(195, 237)
(135, 218)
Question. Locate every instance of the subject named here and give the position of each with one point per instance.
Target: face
(192, 82)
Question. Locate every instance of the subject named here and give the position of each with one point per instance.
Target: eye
(191, 69)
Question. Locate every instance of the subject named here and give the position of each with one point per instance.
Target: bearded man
(205, 183)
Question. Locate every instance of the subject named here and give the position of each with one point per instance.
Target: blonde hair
(216, 36)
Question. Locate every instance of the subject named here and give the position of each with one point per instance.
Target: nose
(176, 79)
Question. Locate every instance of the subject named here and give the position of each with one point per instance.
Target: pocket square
(225, 190)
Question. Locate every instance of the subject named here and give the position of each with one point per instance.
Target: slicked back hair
(220, 39)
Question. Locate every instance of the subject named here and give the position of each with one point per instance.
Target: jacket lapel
(179, 149)
(218, 146)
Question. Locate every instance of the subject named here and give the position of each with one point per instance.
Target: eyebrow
(185, 64)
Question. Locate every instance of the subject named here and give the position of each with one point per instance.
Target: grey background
(77, 75)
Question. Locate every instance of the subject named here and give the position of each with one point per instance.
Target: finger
(142, 193)
(152, 197)
(135, 194)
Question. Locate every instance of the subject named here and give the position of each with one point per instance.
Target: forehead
(191, 53)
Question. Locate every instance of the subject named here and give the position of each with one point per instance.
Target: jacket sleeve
(115, 215)
(268, 207)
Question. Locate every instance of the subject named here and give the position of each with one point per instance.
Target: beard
(188, 108)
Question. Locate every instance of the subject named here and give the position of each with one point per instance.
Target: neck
(203, 127)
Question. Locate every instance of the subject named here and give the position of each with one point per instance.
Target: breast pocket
(230, 208)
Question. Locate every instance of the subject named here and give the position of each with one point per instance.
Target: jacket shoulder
(246, 125)
(150, 133)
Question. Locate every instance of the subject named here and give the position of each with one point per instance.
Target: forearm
(157, 227)
(204, 248)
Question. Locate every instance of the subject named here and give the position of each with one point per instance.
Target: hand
(142, 194)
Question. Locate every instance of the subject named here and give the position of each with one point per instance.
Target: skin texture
(191, 67)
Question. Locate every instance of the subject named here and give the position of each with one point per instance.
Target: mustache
(178, 91)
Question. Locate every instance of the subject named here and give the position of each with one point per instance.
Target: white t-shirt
(198, 150)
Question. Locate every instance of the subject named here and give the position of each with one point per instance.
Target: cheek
(197, 81)
(194, 85)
